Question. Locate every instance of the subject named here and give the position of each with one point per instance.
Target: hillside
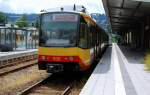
(11, 18)
(100, 19)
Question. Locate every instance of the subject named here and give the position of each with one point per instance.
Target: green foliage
(114, 40)
(35, 23)
(2, 17)
(22, 21)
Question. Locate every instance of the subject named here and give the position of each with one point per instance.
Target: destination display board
(65, 17)
(55, 17)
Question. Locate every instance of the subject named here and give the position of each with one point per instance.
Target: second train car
(69, 41)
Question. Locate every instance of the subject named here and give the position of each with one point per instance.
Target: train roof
(69, 8)
(85, 15)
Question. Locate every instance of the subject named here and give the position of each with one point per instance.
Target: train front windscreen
(58, 30)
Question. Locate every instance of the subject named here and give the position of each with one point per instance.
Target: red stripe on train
(58, 58)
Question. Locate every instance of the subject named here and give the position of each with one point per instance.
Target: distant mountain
(100, 19)
(11, 18)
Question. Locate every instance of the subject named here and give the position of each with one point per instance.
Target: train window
(89, 37)
(91, 33)
(98, 36)
(93, 36)
(98, 31)
(83, 43)
(54, 30)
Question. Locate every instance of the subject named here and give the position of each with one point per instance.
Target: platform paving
(133, 64)
(101, 82)
(119, 72)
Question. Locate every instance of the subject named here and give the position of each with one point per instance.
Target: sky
(35, 6)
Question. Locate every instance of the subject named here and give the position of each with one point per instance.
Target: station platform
(119, 72)
(13, 56)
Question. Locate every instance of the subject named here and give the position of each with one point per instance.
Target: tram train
(69, 41)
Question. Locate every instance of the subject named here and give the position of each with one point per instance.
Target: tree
(2, 17)
(35, 23)
(22, 21)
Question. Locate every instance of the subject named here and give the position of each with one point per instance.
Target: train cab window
(58, 30)
(97, 35)
(89, 38)
(83, 43)
(93, 30)
(91, 34)
(98, 42)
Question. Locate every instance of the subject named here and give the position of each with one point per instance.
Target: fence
(19, 39)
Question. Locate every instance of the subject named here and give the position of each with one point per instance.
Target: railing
(19, 39)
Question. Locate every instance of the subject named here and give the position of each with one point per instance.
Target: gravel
(13, 83)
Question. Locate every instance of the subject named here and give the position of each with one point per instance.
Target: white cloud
(95, 6)
(4, 7)
(34, 6)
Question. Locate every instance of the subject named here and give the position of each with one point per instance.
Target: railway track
(40, 88)
(55, 85)
(17, 63)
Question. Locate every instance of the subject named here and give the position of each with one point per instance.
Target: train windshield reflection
(58, 29)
